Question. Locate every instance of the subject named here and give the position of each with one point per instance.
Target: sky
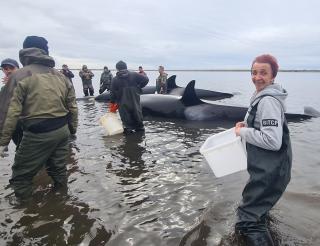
(178, 34)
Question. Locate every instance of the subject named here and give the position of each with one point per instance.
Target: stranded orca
(190, 107)
(173, 89)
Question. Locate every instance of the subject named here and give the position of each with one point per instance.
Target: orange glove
(113, 107)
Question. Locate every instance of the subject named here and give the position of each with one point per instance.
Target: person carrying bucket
(125, 91)
(269, 154)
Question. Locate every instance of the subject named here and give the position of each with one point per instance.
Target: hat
(121, 65)
(10, 62)
(36, 42)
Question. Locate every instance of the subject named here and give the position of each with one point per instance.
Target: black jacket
(68, 74)
(125, 80)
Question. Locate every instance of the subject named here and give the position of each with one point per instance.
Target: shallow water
(156, 188)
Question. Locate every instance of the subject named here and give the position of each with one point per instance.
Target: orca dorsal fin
(189, 97)
(171, 82)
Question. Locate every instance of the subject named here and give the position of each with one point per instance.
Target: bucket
(111, 123)
(225, 153)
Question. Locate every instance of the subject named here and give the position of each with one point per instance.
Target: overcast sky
(179, 34)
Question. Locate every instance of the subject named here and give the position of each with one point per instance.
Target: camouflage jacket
(35, 92)
(162, 78)
(86, 75)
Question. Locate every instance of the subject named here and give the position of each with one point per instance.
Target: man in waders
(269, 154)
(161, 81)
(44, 101)
(105, 80)
(86, 76)
(125, 91)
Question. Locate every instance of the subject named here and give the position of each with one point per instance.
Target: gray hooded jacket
(268, 123)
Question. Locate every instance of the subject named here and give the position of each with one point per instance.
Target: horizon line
(208, 70)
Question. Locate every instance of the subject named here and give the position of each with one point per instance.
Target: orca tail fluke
(310, 111)
(189, 97)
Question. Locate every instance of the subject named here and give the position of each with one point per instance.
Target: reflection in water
(130, 153)
(52, 220)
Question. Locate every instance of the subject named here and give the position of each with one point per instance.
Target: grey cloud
(178, 34)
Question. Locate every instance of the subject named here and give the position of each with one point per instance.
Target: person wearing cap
(269, 154)
(44, 101)
(125, 91)
(8, 66)
(105, 80)
(161, 82)
(66, 72)
(86, 76)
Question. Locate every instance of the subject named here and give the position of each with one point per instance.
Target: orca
(190, 107)
(173, 89)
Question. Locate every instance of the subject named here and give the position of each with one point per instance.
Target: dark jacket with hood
(34, 93)
(125, 91)
(127, 81)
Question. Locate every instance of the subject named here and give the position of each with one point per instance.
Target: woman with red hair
(269, 154)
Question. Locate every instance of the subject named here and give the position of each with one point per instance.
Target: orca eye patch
(270, 122)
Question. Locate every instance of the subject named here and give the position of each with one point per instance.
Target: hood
(35, 56)
(274, 90)
(123, 73)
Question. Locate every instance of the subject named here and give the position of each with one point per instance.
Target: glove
(3, 150)
(113, 107)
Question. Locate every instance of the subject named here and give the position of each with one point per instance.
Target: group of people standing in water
(106, 77)
(42, 99)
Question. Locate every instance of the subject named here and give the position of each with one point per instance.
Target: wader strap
(252, 115)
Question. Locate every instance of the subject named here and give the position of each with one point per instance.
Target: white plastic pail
(225, 153)
(111, 123)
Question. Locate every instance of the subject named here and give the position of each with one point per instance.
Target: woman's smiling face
(261, 74)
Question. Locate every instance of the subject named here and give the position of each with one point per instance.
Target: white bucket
(111, 123)
(225, 153)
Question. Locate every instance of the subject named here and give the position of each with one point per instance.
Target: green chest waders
(270, 173)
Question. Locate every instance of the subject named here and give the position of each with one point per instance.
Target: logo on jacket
(270, 122)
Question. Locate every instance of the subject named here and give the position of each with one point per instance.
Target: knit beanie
(121, 65)
(36, 42)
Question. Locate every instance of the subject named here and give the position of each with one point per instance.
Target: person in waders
(44, 101)
(125, 92)
(269, 154)
(105, 80)
(86, 76)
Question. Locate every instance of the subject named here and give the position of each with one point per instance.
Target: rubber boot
(85, 91)
(91, 92)
(60, 187)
